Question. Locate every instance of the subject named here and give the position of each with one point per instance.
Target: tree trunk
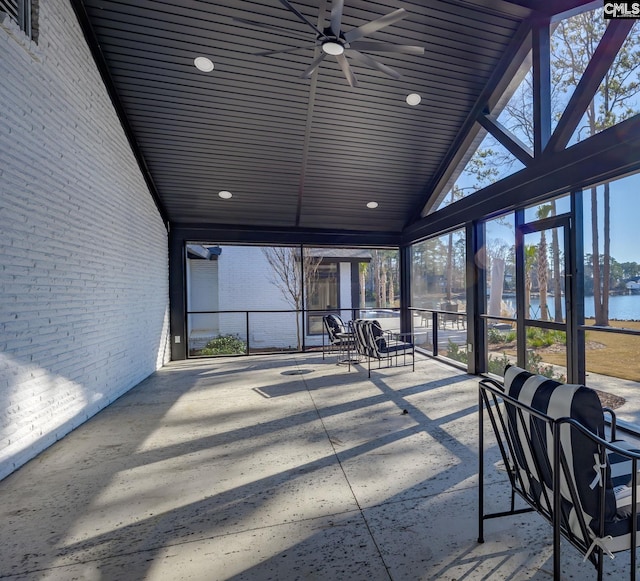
(543, 276)
(383, 286)
(390, 290)
(376, 277)
(450, 267)
(529, 262)
(595, 259)
(606, 256)
(497, 285)
(557, 281)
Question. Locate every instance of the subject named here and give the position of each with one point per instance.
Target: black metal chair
(552, 440)
(373, 342)
(340, 339)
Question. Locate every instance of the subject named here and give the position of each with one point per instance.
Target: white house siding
(245, 282)
(202, 296)
(84, 270)
(345, 288)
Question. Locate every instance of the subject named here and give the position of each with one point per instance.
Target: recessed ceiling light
(413, 99)
(372, 205)
(225, 195)
(333, 48)
(203, 64)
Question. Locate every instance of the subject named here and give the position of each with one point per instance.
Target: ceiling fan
(333, 41)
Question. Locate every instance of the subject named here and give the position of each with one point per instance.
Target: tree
(557, 284)
(385, 279)
(543, 264)
(363, 268)
(456, 193)
(576, 41)
(573, 45)
(530, 252)
(294, 275)
(630, 270)
(497, 254)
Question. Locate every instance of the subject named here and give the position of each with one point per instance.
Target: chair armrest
(609, 411)
(486, 381)
(397, 336)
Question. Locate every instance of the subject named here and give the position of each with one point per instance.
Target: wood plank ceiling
(297, 153)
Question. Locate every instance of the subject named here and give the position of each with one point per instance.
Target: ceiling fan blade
(302, 17)
(346, 69)
(374, 25)
(283, 50)
(373, 64)
(386, 47)
(263, 25)
(336, 16)
(313, 66)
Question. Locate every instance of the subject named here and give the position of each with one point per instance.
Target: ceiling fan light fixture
(333, 48)
(413, 99)
(202, 63)
(225, 195)
(372, 205)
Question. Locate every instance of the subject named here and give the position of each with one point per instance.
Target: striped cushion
(558, 400)
(621, 469)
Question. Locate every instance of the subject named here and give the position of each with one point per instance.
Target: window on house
(24, 13)
(322, 291)
(325, 293)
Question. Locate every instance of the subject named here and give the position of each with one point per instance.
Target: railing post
(480, 468)
(247, 329)
(434, 326)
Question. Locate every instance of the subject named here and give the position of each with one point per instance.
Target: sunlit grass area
(611, 354)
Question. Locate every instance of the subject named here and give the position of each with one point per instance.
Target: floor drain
(298, 371)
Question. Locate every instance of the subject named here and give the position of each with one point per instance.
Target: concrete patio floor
(274, 468)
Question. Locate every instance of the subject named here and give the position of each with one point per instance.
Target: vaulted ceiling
(300, 153)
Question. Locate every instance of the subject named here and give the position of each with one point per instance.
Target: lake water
(621, 307)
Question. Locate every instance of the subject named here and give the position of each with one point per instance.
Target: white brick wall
(83, 251)
(245, 282)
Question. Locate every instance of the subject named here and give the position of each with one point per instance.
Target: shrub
(496, 365)
(537, 338)
(456, 353)
(494, 336)
(510, 337)
(535, 365)
(224, 345)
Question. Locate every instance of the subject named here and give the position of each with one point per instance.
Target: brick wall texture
(83, 250)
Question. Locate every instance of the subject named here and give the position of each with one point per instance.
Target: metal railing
(246, 332)
(440, 323)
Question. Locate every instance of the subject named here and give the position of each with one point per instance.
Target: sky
(625, 192)
(625, 220)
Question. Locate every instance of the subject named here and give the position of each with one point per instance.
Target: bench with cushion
(552, 440)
